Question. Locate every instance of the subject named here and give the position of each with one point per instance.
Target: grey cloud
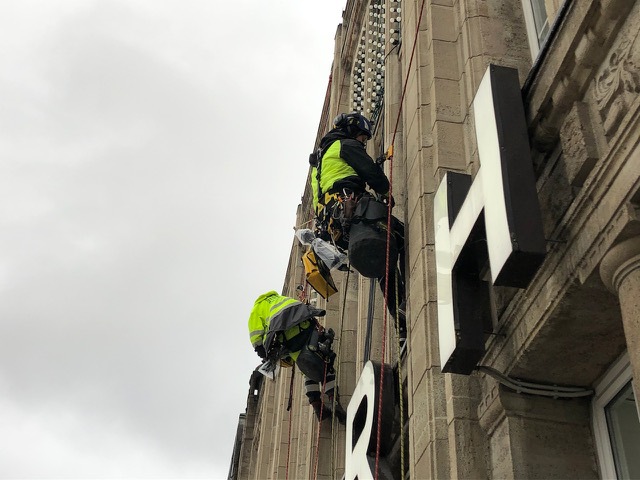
(148, 189)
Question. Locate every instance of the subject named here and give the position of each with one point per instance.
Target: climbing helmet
(354, 123)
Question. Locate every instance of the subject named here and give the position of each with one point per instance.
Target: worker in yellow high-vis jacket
(283, 328)
(342, 171)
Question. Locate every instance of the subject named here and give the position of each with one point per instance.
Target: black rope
(293, 374)
(367, 338)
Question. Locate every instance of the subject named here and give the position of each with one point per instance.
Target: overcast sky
(152, 156)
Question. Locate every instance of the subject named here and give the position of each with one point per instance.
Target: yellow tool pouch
(318, 275)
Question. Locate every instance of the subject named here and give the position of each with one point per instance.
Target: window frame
(532, 31)
(611, 383)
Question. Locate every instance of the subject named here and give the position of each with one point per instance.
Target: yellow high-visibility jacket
(345, 164)
(334, 168)
(273, 313)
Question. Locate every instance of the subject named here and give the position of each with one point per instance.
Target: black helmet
(354, 124)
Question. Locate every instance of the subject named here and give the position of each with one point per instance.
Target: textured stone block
(446, 94)
(417, 280)
(425, 92)
(429, 231)
(449, 151)
(430, 262)
(423, 51)
(418, 346)
(413, 232)
(412, 138)
(421, 466)
(443, 22)
(414, 182)
(555, 196)
(579, 149)
(500, 451)
(448, 64)
(420, 419)
(475, 69)
(437, 398)
(473, 8)
(468, 449)
(426, 136)
(433, 347)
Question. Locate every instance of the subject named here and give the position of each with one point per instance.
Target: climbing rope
(315, 466)
(400, 382)
(290, 410)
(335, 394)
(367, 339)
(303, 297)
(386, 286)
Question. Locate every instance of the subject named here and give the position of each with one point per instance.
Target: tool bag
(316, 358)
(318, 275)
(368, 239)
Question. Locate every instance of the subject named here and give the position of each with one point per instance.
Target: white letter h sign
(497, 216)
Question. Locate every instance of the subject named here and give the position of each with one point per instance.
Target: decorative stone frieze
(618, 82)
(567, 71)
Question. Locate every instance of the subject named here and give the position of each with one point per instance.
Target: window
(624, 432)
(537, 22)
(616, 421)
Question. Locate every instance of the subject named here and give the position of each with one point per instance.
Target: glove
(261, 352)
(385, 156)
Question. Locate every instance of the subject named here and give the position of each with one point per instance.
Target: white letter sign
(362, 424)
(497, 216)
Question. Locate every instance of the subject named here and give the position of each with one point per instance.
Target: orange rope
(386, 284)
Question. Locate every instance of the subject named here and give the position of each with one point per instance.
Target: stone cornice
(596, 218)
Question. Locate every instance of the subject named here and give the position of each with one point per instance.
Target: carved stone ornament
(618, 84)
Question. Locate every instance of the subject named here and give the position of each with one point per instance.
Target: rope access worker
(341, 172)
(286, 330)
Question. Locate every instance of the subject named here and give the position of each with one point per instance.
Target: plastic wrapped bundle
(329, 254)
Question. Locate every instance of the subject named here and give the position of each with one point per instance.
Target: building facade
(553, 392)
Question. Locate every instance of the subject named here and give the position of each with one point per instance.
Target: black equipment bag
(316, 358)
(368, 239)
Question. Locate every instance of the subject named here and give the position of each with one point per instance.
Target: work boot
(322, 411)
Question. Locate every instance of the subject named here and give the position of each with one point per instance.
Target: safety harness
(334, 210)
(308, 344)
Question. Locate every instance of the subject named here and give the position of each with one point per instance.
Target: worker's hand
(385, 156)
(261, 352)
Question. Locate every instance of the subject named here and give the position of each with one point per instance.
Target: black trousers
(396, 295)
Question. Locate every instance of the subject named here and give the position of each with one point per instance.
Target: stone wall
(581, 310)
